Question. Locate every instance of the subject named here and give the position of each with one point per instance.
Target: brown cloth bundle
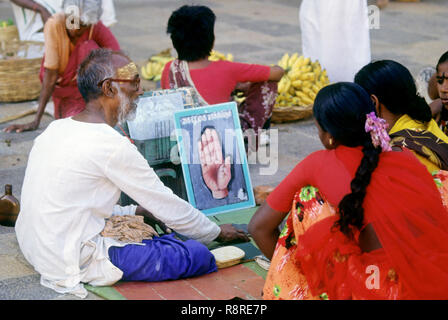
(128, 229)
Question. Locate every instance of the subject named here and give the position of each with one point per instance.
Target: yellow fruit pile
(154, 67)
(301, 82)
(216, 55)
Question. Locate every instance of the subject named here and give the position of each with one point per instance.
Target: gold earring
(331, 141)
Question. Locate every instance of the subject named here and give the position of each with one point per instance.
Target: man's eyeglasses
(134, 82)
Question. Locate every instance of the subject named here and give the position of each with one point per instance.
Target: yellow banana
(297, 83)
(155, 69)
(295, 101)
(294, 74)
(280, 97)
(306, 100)
(307, 84)
(144, 74)
(161, 59)
(315, 88)
(283, 61)
(220, 55)
(307, 91)
(309, 76)
(317, 69)
(306, 69)
(291, 90)
(292, 59)
(300, 62)
(148, 69)
(287, 84)
(296, 66)
(281, 86)
(301, 94)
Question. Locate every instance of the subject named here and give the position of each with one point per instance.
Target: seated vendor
(76, 171)
(31, 16)
(69, 37)
(192, 33)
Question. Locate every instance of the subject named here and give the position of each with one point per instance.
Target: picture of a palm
(215, 169)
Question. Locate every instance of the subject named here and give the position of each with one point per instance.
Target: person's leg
(162, 258)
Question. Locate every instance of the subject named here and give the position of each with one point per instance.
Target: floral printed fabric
(285, 279)
(441, 180)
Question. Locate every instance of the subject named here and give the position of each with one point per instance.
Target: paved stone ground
(258, 31)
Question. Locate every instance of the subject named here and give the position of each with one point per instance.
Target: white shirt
(336, 32)
(72, 183)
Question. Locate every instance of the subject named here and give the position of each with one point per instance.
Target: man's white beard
(125, 104)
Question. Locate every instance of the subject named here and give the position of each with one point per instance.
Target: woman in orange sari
(69, 37)
(366, 221)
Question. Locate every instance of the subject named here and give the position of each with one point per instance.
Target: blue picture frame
(190, 125)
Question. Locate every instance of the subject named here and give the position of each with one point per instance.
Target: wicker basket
(19, 77)
(9, 33)
(292, 113)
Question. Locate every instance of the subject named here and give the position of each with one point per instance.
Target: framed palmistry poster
(213, 157)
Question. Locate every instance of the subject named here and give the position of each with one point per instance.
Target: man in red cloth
(69, 37)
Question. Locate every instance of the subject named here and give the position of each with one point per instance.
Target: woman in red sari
(366, 221)
(69, 37)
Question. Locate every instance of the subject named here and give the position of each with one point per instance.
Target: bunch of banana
(216, 55)
(154, 67)
(301, 82)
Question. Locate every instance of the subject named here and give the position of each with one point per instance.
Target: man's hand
(230, 234)
(151, 220)
(215, 170)
(22, 127)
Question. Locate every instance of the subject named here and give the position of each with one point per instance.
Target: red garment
(402, 203)
(216, 82)
(311, 263)
(66, 96)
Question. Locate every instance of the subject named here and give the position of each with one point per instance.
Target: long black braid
(341, 110)
(351, 209)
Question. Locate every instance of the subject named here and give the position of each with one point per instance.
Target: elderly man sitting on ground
(76, 170)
